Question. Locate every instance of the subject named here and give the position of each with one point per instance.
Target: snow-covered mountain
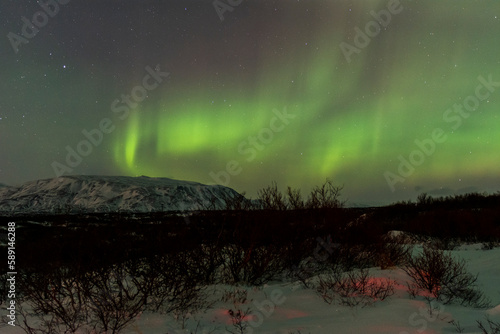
(90, 194)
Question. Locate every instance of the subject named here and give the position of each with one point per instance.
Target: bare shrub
(235, 258)
(240, 314)
(395, 250)
(52, 302)
(424, 200)
(353, 288)
(489, 245)
(237, 202)
(68, 300)
(444, 278)
(304, 271)
(115, 298)
(352, 256)
(413, 290)
(109, 298)
(236, 296)
(295, 200)
(271, 198)
(239, 320)
(445, 243)
(298, 265)
(253, 265)
(265, 263)
(176, 284)
(489, 327)
(206, 262)
(326, 196)
(456, 324)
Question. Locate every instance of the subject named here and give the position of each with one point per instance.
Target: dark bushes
(255, 265)
(326, 196)
(444, 278)
(66, 300)
(106, 299)
(353, 288)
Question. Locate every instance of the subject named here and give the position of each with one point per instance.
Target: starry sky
(388, 98)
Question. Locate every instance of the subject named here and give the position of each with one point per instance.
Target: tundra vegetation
(96, 273)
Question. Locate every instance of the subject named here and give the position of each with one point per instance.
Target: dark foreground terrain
(124, 264)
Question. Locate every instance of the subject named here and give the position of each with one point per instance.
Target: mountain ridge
(95, 194)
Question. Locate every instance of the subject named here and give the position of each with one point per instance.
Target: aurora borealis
(223, 108)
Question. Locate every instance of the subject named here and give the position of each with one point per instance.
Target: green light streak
(353, 120)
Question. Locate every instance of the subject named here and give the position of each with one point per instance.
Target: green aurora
(352, 120)
(216, 116)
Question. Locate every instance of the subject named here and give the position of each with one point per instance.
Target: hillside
(91, 194)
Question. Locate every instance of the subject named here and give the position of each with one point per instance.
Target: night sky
(388, 99)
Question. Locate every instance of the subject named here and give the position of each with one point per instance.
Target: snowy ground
(290, 308)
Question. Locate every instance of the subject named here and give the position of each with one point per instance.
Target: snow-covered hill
(89, 194)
